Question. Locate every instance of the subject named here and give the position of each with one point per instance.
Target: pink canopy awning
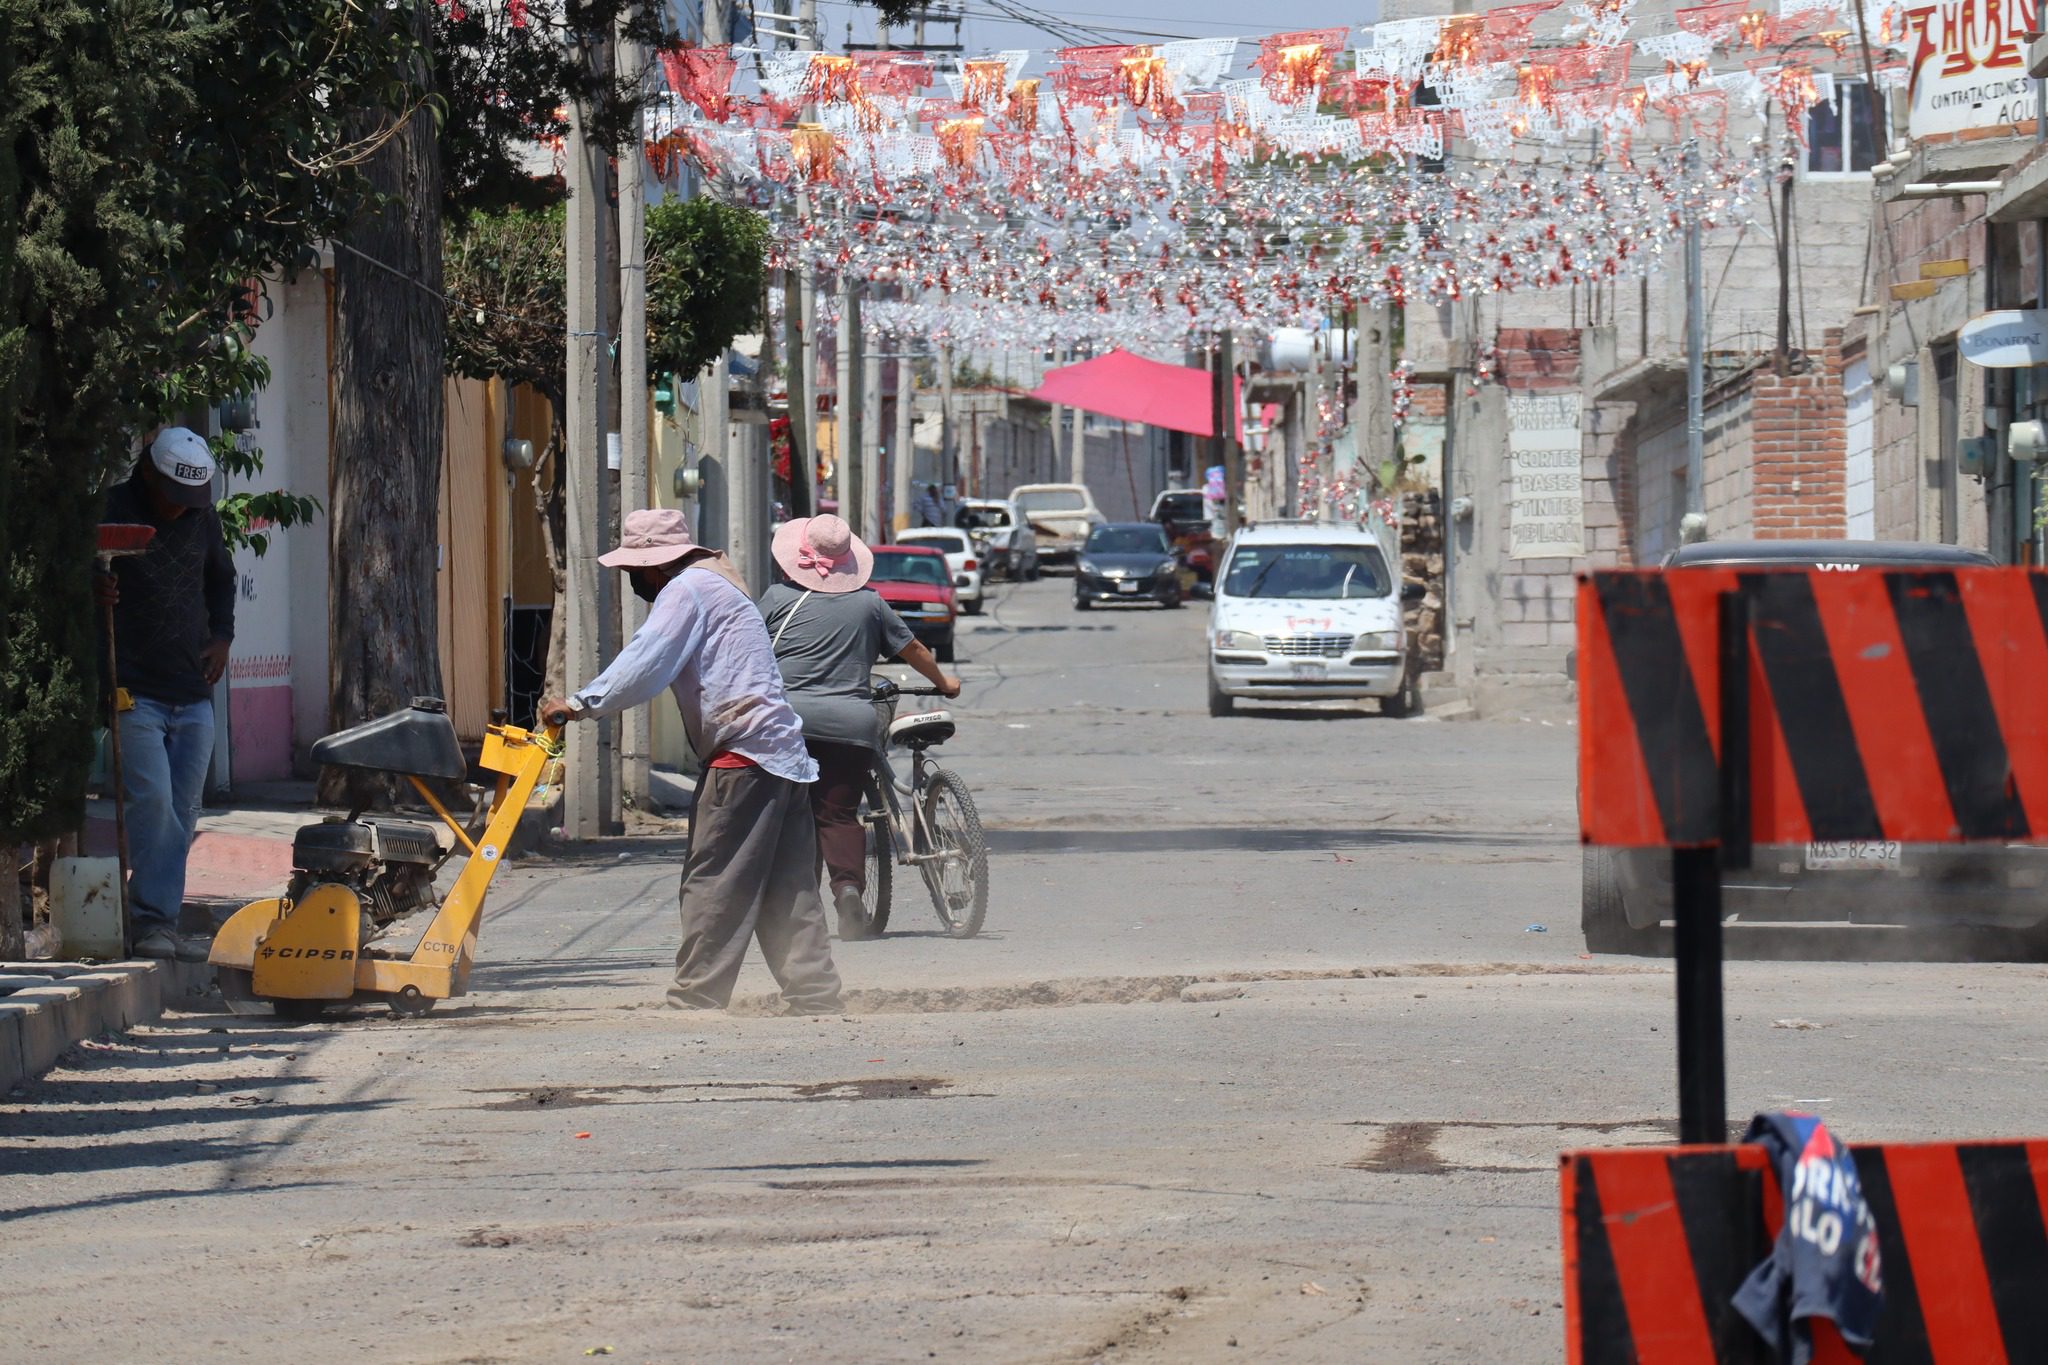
(1134, 389)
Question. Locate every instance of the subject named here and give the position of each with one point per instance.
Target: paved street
(1267, 1052)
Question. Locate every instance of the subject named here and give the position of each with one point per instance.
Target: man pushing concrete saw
(752, 866)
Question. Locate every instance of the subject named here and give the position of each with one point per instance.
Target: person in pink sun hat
(751, 870)
(829, 628)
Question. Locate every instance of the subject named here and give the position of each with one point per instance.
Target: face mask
(644, 588)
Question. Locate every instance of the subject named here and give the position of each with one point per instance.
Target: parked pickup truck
(1061, 514)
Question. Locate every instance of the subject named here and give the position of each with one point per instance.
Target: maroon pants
(835, 806)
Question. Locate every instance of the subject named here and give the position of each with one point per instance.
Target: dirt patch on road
(1154, 990)
(1405, 1149)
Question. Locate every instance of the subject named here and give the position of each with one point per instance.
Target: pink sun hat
(823, 554)
(657, 535)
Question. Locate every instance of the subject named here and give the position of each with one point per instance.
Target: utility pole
(1077, 442)
(1223, 444)
(588, 590)
(753, 471)
(852, 403)
(949, 470)
(636, 729)
(1785, 169)
(1695, 362)
(799, 330)
(902, 454)
(868, 517)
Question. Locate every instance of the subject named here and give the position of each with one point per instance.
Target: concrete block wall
(1904, 439)
(1726, 455)
(1610, 487)
(1533, 598)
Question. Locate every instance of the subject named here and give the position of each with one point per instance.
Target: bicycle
(941, 837)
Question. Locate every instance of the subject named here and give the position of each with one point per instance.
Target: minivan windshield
(1306, 571)
(1031, 500)
(1184, 508)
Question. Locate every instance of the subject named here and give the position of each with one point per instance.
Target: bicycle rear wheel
(958, 879)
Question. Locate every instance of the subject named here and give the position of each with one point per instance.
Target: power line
(450, 301)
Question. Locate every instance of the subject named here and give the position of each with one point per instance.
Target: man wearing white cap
(751, 871)
(174, 618)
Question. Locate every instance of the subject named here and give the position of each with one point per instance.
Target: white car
(1061, 513)
(1309, 611)
(1011, 544)
(961, 558)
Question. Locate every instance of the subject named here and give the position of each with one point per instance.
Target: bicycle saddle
(926, 727)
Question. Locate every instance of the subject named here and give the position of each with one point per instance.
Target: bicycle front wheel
(881, 867)
(957, 873)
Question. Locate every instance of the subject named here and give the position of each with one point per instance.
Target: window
(1126, 540)
(1051, 498)
(1839, 137)
(898, 566)
(1306, 572)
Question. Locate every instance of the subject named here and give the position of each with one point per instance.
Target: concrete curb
(48, 1008)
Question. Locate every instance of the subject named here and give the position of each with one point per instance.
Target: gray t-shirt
(827, 652)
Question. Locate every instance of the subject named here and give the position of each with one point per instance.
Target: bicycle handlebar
(919, 692)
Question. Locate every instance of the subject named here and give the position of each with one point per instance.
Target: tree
(705, 275)
(133, 213)
(500, 73)
(383, 631)
(507, 307)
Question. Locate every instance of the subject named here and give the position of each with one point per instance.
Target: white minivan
(1308, 611)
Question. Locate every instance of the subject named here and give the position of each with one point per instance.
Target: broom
(118, 539)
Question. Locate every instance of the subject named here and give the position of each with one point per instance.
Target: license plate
(1865, 853)
(1310, 672)
(1127, 587)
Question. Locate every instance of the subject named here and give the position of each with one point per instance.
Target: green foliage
(503, 274)
(248, 519)
(968, 375)
(706, 268)
(507, 73)
(155, 156)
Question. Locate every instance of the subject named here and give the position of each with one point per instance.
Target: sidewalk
(244, 848)
(243, 851)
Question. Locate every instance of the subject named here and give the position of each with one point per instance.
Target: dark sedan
(1127, 561)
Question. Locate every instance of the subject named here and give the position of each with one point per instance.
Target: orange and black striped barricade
(1657, 1240)
(1724, 707)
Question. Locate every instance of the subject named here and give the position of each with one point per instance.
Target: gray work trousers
(752, 872)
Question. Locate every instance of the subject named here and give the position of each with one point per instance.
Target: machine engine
(390, 865)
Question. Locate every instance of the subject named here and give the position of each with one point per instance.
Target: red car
(916, 581)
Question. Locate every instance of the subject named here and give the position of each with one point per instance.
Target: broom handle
(114, 764)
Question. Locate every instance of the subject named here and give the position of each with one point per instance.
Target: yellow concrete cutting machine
(319, 944)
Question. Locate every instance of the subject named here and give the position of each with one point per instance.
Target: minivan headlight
(1378, 641)
(1239, 639)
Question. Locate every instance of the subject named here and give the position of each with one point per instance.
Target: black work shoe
(160, 944)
